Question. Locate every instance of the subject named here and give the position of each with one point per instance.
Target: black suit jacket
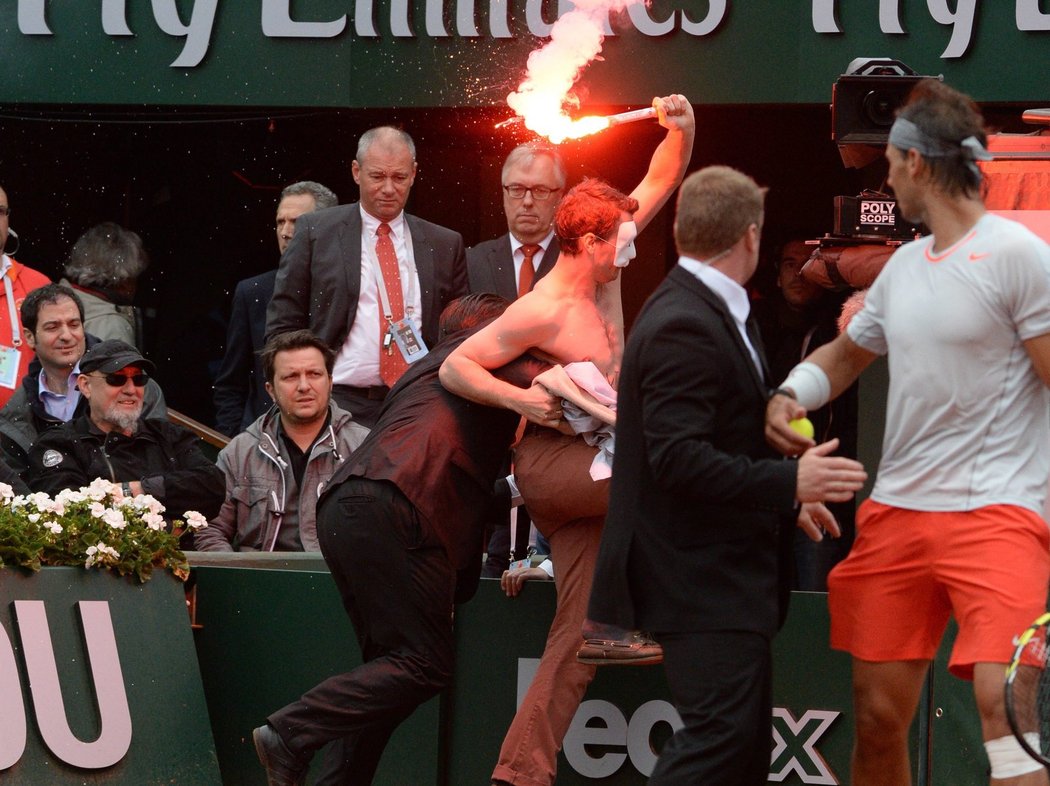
(240, 393)
(490, 266)
(699, 526)
(319, 279)
(443, 452)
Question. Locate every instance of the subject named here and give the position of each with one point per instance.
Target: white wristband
(811, 385)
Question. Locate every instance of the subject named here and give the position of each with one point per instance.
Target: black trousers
(721, 685)
(397, 587)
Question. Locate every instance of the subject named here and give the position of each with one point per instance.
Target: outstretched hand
(826, 478)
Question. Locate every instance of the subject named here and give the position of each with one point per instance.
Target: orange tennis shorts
(909, 570)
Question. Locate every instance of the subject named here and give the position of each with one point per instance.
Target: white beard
(122, 418)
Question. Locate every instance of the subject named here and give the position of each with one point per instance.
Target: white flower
(99, 553)
(148, 502)
(195, 520)
(69, 497)
(54, 526)
(154, 521)
(6, 492)
(33, 518)
(97, 509)
(99, 489)
(115, 519)
(41, 501)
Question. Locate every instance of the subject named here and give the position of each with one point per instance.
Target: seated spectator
(113, 440)
(276, 470)
(104, 267)
(53, 327)
(19, 281)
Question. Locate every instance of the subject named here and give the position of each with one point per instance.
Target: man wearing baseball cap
(112, 440)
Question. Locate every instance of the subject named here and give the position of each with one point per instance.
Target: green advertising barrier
(626, 715)
(99, 682)
(268, 635)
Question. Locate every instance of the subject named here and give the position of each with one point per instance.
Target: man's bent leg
(397, 586)
(530, 750)
(1007, 758)
(885, 697)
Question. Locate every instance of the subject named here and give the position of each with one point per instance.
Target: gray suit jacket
(319, 279)
(490, 266)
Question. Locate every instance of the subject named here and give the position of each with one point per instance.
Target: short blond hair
(716, 205)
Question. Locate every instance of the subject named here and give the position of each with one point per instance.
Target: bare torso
(579, 326)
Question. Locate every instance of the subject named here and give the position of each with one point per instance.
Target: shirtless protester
(573, 314)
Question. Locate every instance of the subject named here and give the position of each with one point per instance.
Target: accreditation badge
(9, 360)
(408, 340)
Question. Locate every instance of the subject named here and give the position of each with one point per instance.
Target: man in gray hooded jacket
(275, 471)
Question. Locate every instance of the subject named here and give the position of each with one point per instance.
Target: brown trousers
(569, 508)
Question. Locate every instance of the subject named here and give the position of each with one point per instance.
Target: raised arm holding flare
(572, 314)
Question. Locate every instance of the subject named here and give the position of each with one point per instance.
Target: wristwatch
(125, 487)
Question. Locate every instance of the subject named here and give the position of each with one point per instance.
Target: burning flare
(546, 93)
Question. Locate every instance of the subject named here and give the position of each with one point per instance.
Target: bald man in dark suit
(328, 280)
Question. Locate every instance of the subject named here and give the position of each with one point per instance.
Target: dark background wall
(201, 188)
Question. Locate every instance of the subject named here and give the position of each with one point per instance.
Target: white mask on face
(625, 250)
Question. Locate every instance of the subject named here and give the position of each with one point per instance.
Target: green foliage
(95, 526)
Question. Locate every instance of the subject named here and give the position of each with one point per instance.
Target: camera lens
(880, 105)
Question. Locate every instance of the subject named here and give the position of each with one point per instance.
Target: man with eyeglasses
(53, 327)
(18, 281)
(533, 182)
(112, 440)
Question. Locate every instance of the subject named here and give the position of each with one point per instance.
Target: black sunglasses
(120, 380)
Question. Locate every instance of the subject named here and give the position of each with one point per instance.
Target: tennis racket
(1028, 691)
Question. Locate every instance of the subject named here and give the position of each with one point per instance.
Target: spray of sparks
(546, 95)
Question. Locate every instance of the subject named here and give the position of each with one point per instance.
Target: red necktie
(528, 273)
(391, 362)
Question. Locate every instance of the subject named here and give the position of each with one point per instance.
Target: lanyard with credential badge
(403, 332)
(10, 357)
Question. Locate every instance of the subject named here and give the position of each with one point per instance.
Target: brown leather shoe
(636, 649)
(283, 768)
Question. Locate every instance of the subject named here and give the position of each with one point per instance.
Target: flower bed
(94, 526)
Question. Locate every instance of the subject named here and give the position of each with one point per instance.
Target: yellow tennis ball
(803, 426)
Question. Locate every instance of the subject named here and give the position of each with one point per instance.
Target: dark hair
(323, 196)
(948, 117)
(106, 256)
(294, 339)
(590, 206)
(471, 311)
(48, 294)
